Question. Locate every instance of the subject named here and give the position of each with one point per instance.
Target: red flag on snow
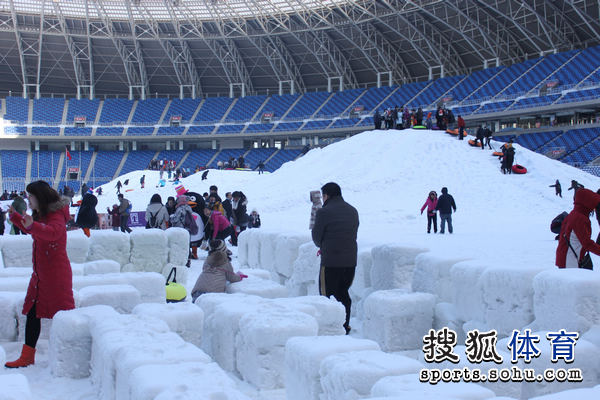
(67, 153)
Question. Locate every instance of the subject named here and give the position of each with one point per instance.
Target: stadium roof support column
(139, 58)
(79, 54)
(128, 57)
(383, 74)
(281, 61)
(29, 48)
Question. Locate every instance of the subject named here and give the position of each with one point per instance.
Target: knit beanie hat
(217, 245)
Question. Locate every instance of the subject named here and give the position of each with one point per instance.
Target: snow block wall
(398, 320)
(185, 319)
(393, 266)
(14, 387)
(110, 245)
(409, 387)
(350, 376)
(303, 356)
(16, 250)
(246, 334)
(8, 315)
(178, 239)
(77, 246)
(567, 299)
(70, 346)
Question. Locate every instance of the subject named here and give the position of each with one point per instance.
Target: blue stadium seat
(149, 111)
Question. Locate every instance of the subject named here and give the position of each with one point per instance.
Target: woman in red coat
(51, 287)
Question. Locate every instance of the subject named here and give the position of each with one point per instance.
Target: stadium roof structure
(212, 47)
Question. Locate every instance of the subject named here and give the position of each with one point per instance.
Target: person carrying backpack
(184, 218)
(575, 241)
(156, 214)
(124, 211)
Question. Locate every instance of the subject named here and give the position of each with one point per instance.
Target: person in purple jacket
(431, 204)
(220, 226)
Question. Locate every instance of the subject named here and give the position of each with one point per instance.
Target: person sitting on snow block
(575, 241)
(216, 272)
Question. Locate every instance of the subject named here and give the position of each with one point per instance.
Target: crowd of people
(12, 195)
(233, 162)
(404, 118)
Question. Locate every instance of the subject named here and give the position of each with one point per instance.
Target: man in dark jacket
(124, 213)
(377, 120)
(558, 189)
(334, 232)
(461, 128)
(419, 116)
(487, 133)
(239, 213)
(227, 206)
(479, 137)
(446, 205)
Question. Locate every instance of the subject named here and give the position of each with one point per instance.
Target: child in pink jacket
(431, 203)
(221, 228)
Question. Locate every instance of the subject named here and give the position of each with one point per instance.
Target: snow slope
(387, 175)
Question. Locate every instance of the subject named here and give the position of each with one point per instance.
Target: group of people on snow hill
(398, 118)
(507, 158)
(233, 162)
(10, 196)
(445, 204)
(120, 214)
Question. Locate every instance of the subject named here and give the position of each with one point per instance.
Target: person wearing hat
(240, 216)
(184, 218)
(157, 215)
(575, 243)
(216, 271)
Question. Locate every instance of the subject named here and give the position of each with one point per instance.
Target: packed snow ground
(387, 175)
(502, 220)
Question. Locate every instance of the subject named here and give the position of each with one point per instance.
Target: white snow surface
(501, 228)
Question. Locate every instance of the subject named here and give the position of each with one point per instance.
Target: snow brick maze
(399, 294)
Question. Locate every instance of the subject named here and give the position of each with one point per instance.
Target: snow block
(409, 386)
(256, 273)
(589, 393)
(193, 379)
(185, 319)
(261, 344)
(179, 245)
(305, 270)
(109, 245)
(20, 272)
(149, 249)
(467, 291)
(9, 315)
(507, 298)
(78, 246)
(445, 316)
(258, 287)
(221, 324)
(70, 345)
(586, 358)
(101, 267)
(17, 251)
(566, 298)
(362, 274)
(2, 356)
(254, 236)
(165, 348)
(15, 284)
(398, 320)
(14, 387)
(303, 356)
(242, 250)
(110, 335)
(79, 269)
(266, 253)
(286, 252)
(329, 313)
(123, 298)
(350, 376)
(393, 266)
(432, 275)
(150, 284)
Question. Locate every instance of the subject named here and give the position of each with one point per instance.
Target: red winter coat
(431, 205)
(578, 230)
(461, 122)
(51, 284)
